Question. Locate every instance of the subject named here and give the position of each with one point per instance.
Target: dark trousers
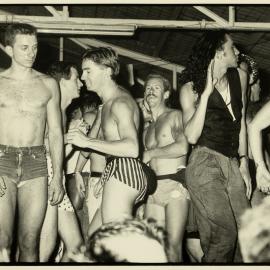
(218, 194)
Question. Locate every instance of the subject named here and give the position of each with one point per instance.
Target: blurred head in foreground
(254, 235)
(132, 240)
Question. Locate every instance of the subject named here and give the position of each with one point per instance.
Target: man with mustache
(166, 150)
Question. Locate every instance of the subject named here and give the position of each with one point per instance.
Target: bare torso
(23, 108)
(160, 133)
(98, 160)
(108, 123)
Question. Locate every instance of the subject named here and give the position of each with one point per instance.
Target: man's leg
(7, 213)
(238, 199)
(48, 234)
(176, 218)
(32, 205)
(117, 200)
(69, 231)
(96, 222)
(214, 215)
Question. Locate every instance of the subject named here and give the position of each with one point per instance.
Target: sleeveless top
(220, 131)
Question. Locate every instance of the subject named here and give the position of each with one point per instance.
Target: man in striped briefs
(123, 180)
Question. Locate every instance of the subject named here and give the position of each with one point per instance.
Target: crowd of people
(104, 177)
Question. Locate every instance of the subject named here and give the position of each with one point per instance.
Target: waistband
(172, 176)
(111, 158)
(201, 148)
(96, 174)
(23, 150)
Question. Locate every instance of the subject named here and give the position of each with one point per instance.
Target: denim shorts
(23, 163)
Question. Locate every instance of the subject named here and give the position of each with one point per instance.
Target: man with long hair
(213, 99)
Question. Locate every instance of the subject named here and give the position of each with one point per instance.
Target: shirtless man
(28, 99)
(166, 149)
(123, 180)
(61, 218)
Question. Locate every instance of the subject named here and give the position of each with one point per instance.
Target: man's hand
(210, 80)
(263, 179)
(3, 186)
(246, 177)
(56, 191)
(147, 156)
(80, 184)
(78, 138)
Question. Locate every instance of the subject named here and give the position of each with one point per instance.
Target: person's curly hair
(97, 250)
(202, 53)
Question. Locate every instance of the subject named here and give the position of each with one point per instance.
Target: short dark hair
(61, 69)
(14, 29)
(104, 56)
(90, 100)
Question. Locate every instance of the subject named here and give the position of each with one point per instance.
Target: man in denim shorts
(29, 99)
(166, 149)
(213, 100)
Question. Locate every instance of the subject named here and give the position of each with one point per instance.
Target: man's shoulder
(123, 100)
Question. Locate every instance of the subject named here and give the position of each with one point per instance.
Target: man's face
(154, 93)
(230, 53)
(24, 50)
(73, 84)
(93, 75)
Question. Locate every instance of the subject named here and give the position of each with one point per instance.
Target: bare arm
(126, 146)
(243, 146)
(259, 123)
(55, 135)
(194, 117)
(176, 149)
(94, 123)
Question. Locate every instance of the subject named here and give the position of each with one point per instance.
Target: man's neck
(158, 111)
(108, 91)
(219, 72)
(20, 72)
(65, 101)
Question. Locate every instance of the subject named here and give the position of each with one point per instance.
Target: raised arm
(194, 116)
(55, 134)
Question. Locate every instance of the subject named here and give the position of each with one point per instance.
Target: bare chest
(158, 133)
(23, 96)
(108, 124)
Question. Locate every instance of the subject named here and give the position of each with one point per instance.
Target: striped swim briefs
(126, 170)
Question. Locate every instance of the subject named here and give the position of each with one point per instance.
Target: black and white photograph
(134, 133)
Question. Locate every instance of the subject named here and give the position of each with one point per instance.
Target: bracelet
(243, 156)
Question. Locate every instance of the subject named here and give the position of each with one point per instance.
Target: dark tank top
(220, 131)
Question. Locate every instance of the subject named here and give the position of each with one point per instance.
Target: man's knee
(5, 241)
(29, 242)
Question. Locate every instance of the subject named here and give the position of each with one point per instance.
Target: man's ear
(109, 71)
(62, 82)
(219, 54)
(9, 50)
(166, 94)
